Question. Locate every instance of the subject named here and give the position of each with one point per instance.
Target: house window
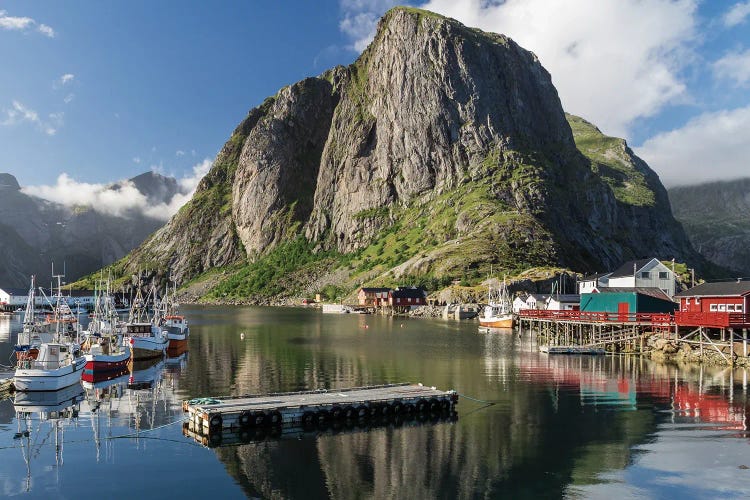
(713, 307)
(663, 275)
(738, 308)
(645, 275)
(722, 307)
(730, 307)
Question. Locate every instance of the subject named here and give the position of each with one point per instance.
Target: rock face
(715, 216)
(35, 232)
(451, 140)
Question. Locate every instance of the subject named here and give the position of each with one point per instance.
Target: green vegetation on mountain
(613, 161)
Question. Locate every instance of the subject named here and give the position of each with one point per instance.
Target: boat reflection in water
(54, 411)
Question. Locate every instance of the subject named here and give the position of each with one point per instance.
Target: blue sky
(105, 90)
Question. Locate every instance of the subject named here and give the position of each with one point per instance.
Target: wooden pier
(723, 333)
(310, 409)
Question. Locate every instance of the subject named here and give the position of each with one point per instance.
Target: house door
(623, 308)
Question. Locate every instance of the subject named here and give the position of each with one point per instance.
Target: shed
(625, 301)
(564, 302)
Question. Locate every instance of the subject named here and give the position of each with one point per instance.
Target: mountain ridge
(441, 152)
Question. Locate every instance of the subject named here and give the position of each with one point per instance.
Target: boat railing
(35, 364)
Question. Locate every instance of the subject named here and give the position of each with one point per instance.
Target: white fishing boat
(498, 313)
(33, 334)
(175, 325)
(58, 364)
(147, 340)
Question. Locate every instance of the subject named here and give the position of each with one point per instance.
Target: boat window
(738, 308)
(722, 307)
(713, 307)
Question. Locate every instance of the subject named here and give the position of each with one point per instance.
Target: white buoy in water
(242, 335)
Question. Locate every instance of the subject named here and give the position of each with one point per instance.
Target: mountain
(440, 152)
(715, 217)
(36, 232)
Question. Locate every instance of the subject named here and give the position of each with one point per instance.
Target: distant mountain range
(36, 232)
(716, 218)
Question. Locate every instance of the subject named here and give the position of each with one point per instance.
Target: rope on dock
(481, 401)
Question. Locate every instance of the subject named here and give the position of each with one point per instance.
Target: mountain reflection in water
(558, 425)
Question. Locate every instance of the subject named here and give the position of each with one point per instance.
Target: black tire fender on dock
(324, 416)
(422, 406)
(397, 408)
(434, 405)
(408, 409)
(258, 419)
(350, 412)
(337, 413)
(274, 418)
(216, 421)
(386, 410)
(245, 419)
(309, 418)
(374, 410)
(214, 440)
(362, 411)
(445, 404)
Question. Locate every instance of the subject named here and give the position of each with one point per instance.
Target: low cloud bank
(120, 199)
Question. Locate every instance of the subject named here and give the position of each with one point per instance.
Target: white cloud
(67, 78)
(69, 98)
(360, 18)
(136, 159)
(737, 14)
(19, 113)
(734, 66)
(23, 24)
(46, 30)
(179, 152)
(612, 61)
(14, 23)
(712, 146)
(122, 201)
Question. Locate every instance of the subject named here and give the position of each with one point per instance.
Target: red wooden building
(406, 297)
(715, 305)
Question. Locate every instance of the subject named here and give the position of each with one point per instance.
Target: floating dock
(570, 349)
(236, 437)
(311, 409)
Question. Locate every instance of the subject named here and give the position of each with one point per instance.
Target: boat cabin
(139, 329)
(722, 304)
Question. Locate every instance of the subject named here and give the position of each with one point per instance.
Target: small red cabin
(715, 305)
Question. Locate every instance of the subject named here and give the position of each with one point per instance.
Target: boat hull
(33, 379)
(148, 347)
(497, 322)
(100, 366)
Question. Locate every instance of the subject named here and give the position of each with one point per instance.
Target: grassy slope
(610, 160)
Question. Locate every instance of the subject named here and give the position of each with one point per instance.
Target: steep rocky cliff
(440, 151)
(716, 217)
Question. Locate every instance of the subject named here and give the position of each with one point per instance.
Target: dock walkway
(312, 408)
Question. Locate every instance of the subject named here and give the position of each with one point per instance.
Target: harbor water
(529, 425)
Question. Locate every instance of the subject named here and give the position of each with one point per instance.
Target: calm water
(559, 426)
